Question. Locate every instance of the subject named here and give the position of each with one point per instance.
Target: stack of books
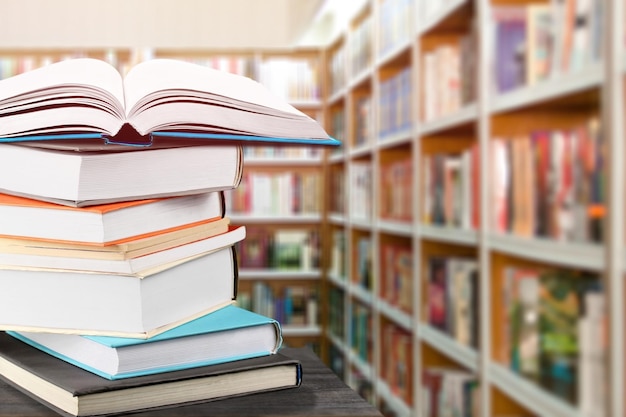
(118, 268)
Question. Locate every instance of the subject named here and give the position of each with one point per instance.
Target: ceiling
(212, 24)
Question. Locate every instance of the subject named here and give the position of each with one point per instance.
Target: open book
(86, 98)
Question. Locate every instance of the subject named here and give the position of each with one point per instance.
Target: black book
(70, 390)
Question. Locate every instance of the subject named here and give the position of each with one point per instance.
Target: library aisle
(461, 254)
(476, 212)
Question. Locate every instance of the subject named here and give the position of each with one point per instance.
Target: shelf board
(579, 255)
(438, 16)
(464, 355)
(338, 156)
(363, 367)
(395, 227)
(449, 234)
(338, 281)
(360, 78)
(275, 274)
(398, 405)
(337, 96)
(401, 137)
(552, 88)
(396, 315)
(363, 295)
(526, 392)
(465, 115)
(337, 218)
(361, 223)
(360, 151)
(401, 47)
(337, 342)
(291, 330)
(237, 218)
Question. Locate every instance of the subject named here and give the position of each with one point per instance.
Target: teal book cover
(228, 334)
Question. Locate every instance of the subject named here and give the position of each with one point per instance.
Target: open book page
(73, 96)
(82, 72)
(88, 98)
(222, 119)
(164, 74)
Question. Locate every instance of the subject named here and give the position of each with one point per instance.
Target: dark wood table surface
(322, 393)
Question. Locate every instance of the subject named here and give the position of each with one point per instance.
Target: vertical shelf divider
(416, 240)
(613, 126)
(483, 132)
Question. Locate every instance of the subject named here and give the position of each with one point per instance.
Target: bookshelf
(281, 202)
(292, 205)
(442, 108)
(410, 87)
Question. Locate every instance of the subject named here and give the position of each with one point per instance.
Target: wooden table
(322, 393)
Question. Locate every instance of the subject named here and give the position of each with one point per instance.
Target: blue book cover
(510, 35)
(228, 334)
(184, 137)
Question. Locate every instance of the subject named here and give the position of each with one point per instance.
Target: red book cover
(437, 292)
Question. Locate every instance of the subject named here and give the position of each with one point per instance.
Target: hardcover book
(128, 249)
(106, 224)
(88, 98)
(99, 177)
(133, 265)
(73, 391)
(137, 305)
(228, 334)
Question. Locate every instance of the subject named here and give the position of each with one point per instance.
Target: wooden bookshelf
(281, 194)
(461, 102)
(378, 94)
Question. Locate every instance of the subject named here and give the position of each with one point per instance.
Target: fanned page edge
(73, 72)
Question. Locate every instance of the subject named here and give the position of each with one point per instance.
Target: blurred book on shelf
(448, 79)
(550, 183)
(338, 258)
(286, 249)
(291, 78)
(337, 312)
(449, 391)
(450, 184)
(363, 272)
(546, 313)
(394, 24)
(276, 194)
(360, 202)
(397, 361)
(289, 304)
(452, 298)
(361, 331)
(536, 42)
(396, 201)
(394, 104)
(397, 276)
